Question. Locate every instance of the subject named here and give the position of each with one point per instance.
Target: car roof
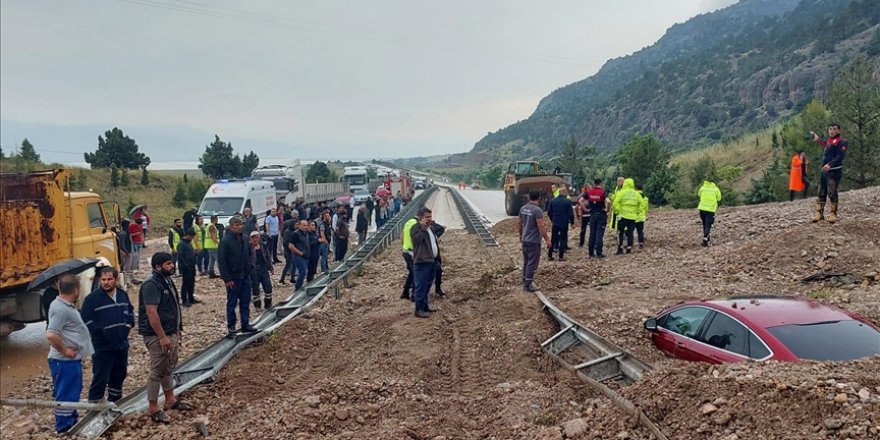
(770, 311)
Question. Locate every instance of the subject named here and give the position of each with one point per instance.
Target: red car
(761, 328)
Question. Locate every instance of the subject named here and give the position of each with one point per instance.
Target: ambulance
(227, 197)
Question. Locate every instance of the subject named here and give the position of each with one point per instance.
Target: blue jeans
(67, 379)
(302, 267)
(324, 250)
(423, 278)
(239, 295)
(136, 256)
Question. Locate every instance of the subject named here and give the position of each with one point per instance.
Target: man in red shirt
(136, 231)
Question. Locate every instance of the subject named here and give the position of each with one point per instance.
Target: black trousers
(558, 240)
(314, 256)
(259, 278)
(598, 221)
(707, 218)
(438, 273)
(828, 185)
(109, 369)
(408, 284)
(625, 228)
(640, 231)
(341, 248)
(273, 247)
(585, 224)
(187, 285)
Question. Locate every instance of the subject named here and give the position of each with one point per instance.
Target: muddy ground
(365, 367)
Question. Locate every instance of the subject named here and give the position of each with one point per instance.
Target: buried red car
(761, 328)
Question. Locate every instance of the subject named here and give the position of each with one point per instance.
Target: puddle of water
(22, 357)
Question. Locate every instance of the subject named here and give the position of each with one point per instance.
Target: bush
(179, 199)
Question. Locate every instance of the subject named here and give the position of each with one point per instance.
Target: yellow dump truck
(42, 223)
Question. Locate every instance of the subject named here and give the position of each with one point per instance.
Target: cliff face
(717, 75)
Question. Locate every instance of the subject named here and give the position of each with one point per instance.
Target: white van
(226, 197)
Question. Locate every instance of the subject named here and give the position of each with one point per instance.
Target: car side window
(727, 334)
(685, 321)
(757, 349)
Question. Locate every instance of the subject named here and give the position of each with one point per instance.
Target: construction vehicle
(524, 176)
(43, 223)
(402, 184)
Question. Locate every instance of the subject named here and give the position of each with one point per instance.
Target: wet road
(490, 203)
(22, 356)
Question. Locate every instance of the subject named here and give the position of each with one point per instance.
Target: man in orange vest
(797, 177)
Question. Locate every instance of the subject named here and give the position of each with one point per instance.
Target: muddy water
(22, 357)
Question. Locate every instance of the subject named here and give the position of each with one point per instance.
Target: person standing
(189, 218)
(286, 236)
(273, 230)
(136, 234)
(342, 234)
(370, 204)
(314, 251)
(109, 315)
(324, 240)
(562, 217)
(186, 263)
(299, 248)
(597, 203)
(161, 324)
(425, 252)
(125, 245)
(797, 177)
(262, 268)
(407, 247)
(613, 217)
(144, 223)
(583, 212)
(531, 230)
(626, 207)
(381, 213)
(834, 151)
(199, 245)
(250, 222)
(174, 235)
(212, 242)
(70, 343)
(642, 217)
(710, 195)
(236, 258)
(438, 230)
(361, 225)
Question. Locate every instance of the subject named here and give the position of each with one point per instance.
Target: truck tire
(512, 203)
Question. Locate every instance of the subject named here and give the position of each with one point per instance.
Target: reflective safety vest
(175, 239)
(209, 243)
(199, 242)
(407, 239)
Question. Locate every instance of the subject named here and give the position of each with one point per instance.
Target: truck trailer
(291, 187)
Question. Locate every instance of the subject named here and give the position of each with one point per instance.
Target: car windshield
(829, 341)
(222, 206)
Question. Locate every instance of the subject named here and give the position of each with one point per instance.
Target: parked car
(762, 328)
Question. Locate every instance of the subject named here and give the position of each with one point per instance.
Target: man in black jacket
(438, 230)
(235, 258)
(834, 151)
(186, 263)
(425, 252)
(562, 216)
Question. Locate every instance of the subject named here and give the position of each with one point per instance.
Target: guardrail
(472, 220)
(206, 364)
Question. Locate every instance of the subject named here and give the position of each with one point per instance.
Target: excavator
(524, 176)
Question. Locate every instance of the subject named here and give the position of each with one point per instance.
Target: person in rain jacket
(710, 195)
(626, 204)
(797, 177)
(643, 215)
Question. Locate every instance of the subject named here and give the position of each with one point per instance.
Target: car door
(676, 330)
(724, 339)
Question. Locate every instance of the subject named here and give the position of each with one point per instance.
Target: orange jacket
(796, 176)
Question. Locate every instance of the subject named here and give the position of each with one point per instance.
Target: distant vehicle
(43, 223)
(762, 328)
(402, 184)
(290, 187)
(522, 177)
(358, 177)
(361, 196)
(228, 196)
(420, 183)
(476, 185)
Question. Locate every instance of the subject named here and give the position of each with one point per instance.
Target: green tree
(145, 177)
(703, 169)
(179, 199)
(796, 136)
(575, 159)
(662, 183)
(491, 178)
(114, 176)
(124, 178)
(371, 173)
(318, 172)
(116, 149)
(27, 153)
(249, 162)
(218, 161)
(78, 182)
(196, 190)
(641, 156)
(854, 101)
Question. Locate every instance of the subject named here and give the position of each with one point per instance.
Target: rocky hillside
(715, 76)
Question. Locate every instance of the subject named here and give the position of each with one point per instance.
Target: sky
(310, 78)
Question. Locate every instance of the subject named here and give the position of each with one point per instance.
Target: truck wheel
(512, 203)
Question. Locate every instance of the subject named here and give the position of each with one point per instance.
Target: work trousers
(640, 231)
(202, 260)
(109, 369)
(273, 247)
(597, 233)
(707, 219)
(314, 256)
(67, 382)
(438, 274)
(324, 250)
(212, 261)
(136, 255)
(260, 277)
(408, 284)
(187, 285)
(341, 248)
(288, 268)
(162, 363)
(423, 277)
(828, 184)
(558, 239)
(239, 295)
(362, 237)
(302, 268)
(625, 228)
(585, 224)
(531, 258)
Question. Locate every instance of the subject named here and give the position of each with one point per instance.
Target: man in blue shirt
(273, 230)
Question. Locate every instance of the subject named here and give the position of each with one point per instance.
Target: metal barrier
(206, 364)
(472, 220)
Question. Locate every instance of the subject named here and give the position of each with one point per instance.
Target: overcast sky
(390, 77)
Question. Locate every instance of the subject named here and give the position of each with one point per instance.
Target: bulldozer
(524, 176)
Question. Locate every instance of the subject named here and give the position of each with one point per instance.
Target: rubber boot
(832, 215)
(267, 302)
(820, 212)
(258, 304)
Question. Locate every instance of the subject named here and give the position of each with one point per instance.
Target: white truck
(228, 196)
(291, 187)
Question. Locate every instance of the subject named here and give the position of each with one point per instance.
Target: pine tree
(145, 177)
(114, 176)
(27, 153)
(179, 199)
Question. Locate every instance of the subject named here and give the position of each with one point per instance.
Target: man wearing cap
(299, 249)
(186, 263)
(235, 258)
(261, 271)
